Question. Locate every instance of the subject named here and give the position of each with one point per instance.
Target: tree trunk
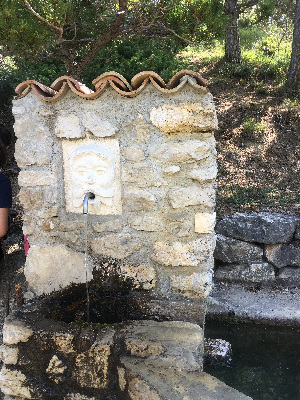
(232, 38)
(293, 77)
(232, 41)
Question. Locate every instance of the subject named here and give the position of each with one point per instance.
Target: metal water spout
(86, 198)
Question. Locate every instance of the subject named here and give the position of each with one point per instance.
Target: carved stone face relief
(92, 166)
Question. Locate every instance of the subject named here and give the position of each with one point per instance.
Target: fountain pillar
(147, 151)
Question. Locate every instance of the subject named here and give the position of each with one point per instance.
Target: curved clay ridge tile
(63, 82)
(176, 79)
(140, 78)
(112, 79)
(39, 89)
(112, 76)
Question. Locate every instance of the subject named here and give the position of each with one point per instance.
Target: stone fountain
(146, 150)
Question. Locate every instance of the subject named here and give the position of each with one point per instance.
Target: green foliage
(198, 20)
(203, 55)
(250, 125)
(269, 45)
(261, 62)
(131, 57)
(73, 31)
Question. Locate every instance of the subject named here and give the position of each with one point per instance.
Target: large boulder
(283, 255)
(259, 227)
(236, 251)
(297, 233)
(257, 272)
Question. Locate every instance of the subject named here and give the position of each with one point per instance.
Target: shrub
(131, 57)
(250, 125)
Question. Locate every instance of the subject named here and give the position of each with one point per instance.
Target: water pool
(265, 362)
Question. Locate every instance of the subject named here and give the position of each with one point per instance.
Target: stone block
(91, 367)
(36, 152)
(183, 228)
(64, 342)
(182, 152)
(139, 390)
(25, 124)
(204, 174)
(181, 224)
(142, 276)
(259, 227)
(189, 254)
(116, 246)
(191, 196)
(256, 272)
(68, 126)
(56, 369)
(143, 175)
(31, 199)
(173, 384)
(50, 268)
(68, 225)
(15, 331)
(133, 153)
(197, 285)
(283, 255)
(175, 344)
(9, 355)
(236, 251)
(14, 383)
(292, 273)
(146, 222)
(113, 225)
(36, 178)
(50, 195)
(205, 222)
(194, 117)
(98, 126)
(139, 200)
(297, 233)
(50, 212)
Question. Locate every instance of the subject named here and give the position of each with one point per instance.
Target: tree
(232, 39)
(198, 20)
(293, 77)
(73, 31)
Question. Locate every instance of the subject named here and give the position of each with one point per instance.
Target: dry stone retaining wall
(258, 247)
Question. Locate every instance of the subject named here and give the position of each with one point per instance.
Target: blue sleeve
(5, 192)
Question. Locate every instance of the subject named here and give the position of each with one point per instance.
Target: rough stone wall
(162, 232)
(90, 363)
(258, 247)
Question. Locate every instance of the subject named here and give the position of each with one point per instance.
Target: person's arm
(4, 212)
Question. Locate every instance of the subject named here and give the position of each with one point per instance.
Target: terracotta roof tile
(111, 79)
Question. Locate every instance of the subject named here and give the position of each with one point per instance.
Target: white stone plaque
(92, 166)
